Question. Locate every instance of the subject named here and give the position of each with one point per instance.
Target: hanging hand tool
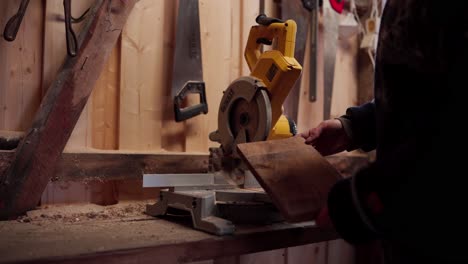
(293, 9)
(313, 7)
(188, 72)
(13, 24)
(331, 20)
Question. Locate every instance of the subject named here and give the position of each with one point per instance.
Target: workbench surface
(92, 233)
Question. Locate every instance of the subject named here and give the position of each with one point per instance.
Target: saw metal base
(216, 211)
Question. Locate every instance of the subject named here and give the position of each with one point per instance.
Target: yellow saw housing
(276, 68)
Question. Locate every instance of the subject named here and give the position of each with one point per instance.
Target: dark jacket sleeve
(417, 177)
(360, 126)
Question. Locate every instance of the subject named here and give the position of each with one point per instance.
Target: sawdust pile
(85, 212)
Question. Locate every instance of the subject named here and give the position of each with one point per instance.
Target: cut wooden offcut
(295, 175)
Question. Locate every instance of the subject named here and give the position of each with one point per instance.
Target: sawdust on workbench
(73, 213)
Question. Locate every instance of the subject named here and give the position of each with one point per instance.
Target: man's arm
(360, 125)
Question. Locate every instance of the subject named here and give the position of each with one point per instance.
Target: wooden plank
(104, 125)
(116, 165)
(105, 104)
(144, 76)
(345, 84)
(20, 71)
(55, 54)
(120, 239)
(250, 11)
(85, 166)
(91, 166)
(218, 35)
(43, 144)
(294, 174)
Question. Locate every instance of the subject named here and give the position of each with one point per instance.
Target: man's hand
(328, 138)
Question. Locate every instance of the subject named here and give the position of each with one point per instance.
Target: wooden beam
(118, 165)
(38, 153)
(121, 166)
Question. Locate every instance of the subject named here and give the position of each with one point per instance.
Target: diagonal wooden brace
(39, 151)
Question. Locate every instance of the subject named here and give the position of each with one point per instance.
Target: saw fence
(126, 126)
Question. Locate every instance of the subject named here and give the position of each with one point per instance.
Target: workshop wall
(130, 108)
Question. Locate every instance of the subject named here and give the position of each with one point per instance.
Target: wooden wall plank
(249, 11)
(217, 57)
(20, 71)
(345, 85)
(104, 125)
(143, 75)
(105, 104)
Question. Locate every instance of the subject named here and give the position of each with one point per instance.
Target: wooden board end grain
(294, 174)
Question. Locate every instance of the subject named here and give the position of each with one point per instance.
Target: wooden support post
(39, 151)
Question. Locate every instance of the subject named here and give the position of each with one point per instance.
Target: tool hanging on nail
(14, 23)
(187, 75)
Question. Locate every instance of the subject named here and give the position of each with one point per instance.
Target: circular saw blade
(244, 114)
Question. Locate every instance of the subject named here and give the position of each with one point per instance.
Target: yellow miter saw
(250, 110)
(251, 107)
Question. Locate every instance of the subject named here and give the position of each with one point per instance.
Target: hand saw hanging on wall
(306, 13)
(188, 72)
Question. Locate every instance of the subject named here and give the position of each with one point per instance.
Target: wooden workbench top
(97, 234)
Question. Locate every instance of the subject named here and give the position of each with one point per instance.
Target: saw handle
(268, 30)
(195, 87)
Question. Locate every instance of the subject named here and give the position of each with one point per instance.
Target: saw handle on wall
(263, 34)
(184, 113)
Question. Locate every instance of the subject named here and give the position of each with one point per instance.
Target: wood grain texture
(151, 241)
(21, 67)
(105, 105)
(218, 41)
(104, 125)
(38, 153)
(54, 56)
(121, 166)
(294, 174)
(143, 77)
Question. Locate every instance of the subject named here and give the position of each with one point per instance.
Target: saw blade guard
(244, 114)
